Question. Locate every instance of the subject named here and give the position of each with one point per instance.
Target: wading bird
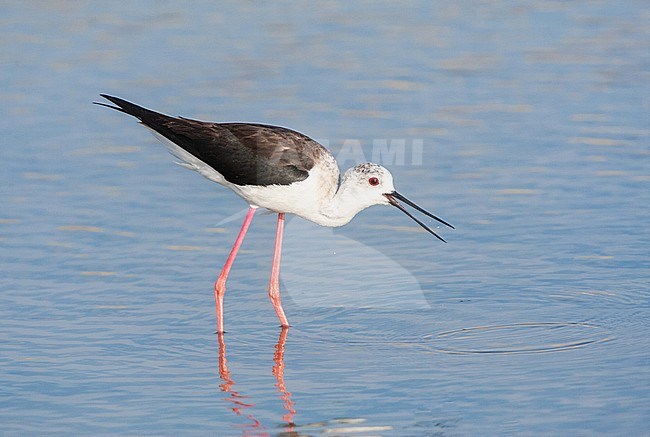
(274, 168)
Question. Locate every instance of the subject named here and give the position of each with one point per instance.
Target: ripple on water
(518, 338)
(514, 338)
(635, 294)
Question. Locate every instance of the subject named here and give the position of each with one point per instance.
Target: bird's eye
(373, 181)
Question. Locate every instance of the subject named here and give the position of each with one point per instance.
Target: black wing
(244, 153)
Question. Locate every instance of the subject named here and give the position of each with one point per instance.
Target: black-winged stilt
(274, 168)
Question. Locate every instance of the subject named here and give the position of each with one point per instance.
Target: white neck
(339, 209)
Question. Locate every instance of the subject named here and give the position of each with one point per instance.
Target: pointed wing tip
(110, 99)
(105, 104)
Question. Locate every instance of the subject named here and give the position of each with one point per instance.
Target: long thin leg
(274, 283)
(220, 284)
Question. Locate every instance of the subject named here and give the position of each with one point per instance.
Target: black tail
(193, 136)
(145, 115)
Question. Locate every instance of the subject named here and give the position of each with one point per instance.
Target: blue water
(524, 124)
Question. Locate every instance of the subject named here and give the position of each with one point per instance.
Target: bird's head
(372, 184)
(369, 182)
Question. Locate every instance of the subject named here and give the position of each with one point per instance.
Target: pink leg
(274, 283)
(220, 285)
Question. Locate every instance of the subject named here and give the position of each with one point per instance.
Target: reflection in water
(240, 405)
(278, 372)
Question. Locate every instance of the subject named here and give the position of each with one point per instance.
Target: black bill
(393, 200)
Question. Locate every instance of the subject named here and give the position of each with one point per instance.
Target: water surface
(524, 125)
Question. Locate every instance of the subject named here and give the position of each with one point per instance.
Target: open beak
(395, 196)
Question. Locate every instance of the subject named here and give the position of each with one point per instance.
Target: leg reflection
(237, 399)
(278, 372)
(240, 402)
